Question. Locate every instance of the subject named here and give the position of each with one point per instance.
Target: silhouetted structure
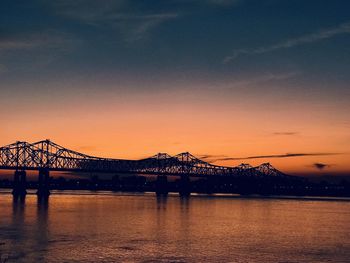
(45, 156)
(19, 183)
(161, 186)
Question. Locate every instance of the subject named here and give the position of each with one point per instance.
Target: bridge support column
(210, 184)
(185, 186)
(19, 183)
(43, 183)
(115, 183)
(162, 185)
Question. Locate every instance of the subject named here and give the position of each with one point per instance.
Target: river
(125, 227)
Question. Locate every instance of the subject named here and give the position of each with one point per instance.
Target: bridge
(45, 156)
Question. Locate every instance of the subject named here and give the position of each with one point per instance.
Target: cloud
(287, 155)
(285, 133)
(17, 44)
(310, 38)
(30, 51)
(223, 2)
(264, 78)
(320, 166)
(137, 27)
(210, 157)
(85, 10)
(48, 39)
(86, 148)
(133, 24)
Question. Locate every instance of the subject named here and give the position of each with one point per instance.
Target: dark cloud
(208, 156)
(287, 155)
(211, 157)
(320, 166)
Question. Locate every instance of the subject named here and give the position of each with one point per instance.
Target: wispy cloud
(285, 133)
(47, 39)
(137, 27)
(222, 2)
(12, 44)
(310, 38)
(286, 155)
(133, 24)
(40, 48)
(211, 157)
(263, 78)
(85, 148)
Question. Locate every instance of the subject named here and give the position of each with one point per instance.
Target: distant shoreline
(31, 192)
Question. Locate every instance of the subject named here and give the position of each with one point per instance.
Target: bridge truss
(51, 156)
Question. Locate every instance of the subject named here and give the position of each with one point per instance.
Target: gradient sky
(223, 79)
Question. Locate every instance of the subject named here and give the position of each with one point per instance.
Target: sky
(230, 81)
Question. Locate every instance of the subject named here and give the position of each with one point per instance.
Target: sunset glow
(131, 97)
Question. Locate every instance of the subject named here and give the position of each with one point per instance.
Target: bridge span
(45, 156)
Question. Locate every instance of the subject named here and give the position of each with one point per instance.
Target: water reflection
(161, 202)
(26, 233)
(184, 203)
(18, 208)
(41, 234)
(120, 228)
(16, 233)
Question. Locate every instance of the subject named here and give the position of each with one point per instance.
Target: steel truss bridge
(47, 155)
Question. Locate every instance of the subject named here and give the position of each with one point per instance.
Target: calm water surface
(141, 228)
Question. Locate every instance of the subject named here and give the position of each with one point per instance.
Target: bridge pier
(210, 184)
(162, 185)
(43, 183)
(19, 183)
(115, 183)
(185, 186)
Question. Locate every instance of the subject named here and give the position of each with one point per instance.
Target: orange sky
(110, 125)
(225, 79)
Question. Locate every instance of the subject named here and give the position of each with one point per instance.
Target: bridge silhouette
(46, 156)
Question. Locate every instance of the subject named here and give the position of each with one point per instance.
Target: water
(108, 227)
